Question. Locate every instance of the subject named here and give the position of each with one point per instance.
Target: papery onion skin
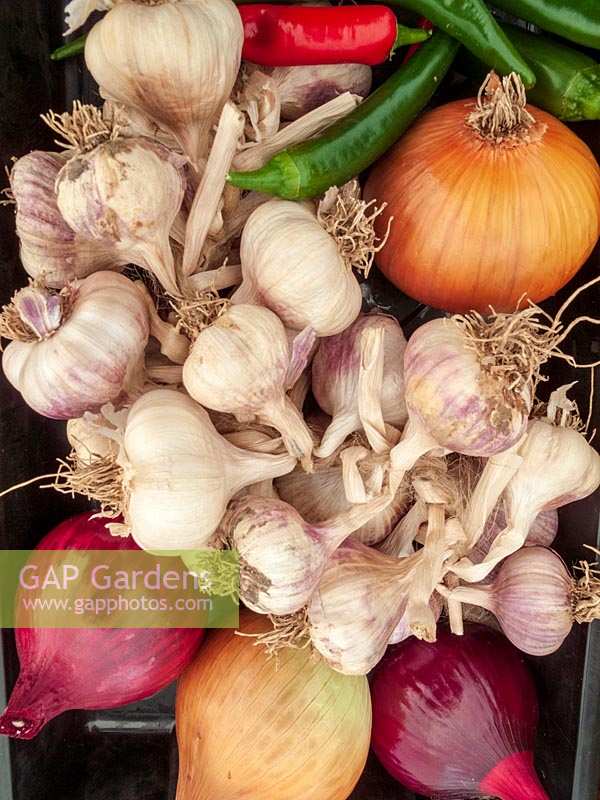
(447, 391)
(92, 358)
(79, 668)
(250, 727)
(464, 235)
(456, 718)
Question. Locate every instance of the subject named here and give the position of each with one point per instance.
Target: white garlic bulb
(180, 474)
(335, 379)
(291, 265)
(239, 365)
(85, 347)
(126, 193)
(48, 246)
(174, 60)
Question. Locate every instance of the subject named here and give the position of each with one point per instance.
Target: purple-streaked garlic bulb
(75, 351)
(48, 246)
(361, 597)
(282, 557)
(335, 378)
(240, 365)
(535, 599)
(320, 495)
(302, 89)
(122, 192)
(558, 467)
(456, 396)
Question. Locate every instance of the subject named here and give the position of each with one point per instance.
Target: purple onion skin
(457, 718)
(79, 668)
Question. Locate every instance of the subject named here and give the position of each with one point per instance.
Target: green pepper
(471, 22)
(70, 49)
(356, 141)
(568, 82)
(576, 20)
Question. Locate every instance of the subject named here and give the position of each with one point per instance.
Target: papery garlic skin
(48, 246)
(176, 61)
(126, 193)
(95, 356)
(360, 600)
(238, 365)
(320, 495)
(291, 265)
(335, 378)
(305, 88)
(448, 393)
(181, 473)
(88, 442)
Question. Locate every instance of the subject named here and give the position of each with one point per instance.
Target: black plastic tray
(130, 754)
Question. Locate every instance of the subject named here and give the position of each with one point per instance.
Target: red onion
(535, 599)
(457, 718)
(64, 669)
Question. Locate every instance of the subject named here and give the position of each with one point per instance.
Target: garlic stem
(173, 345)
(482, 596)
(341, 426)
(299, 391)
(302, 350)
(507, 542)
(455, 612)
(216, 279)
(283, 415)
(338, 529)
(298, 131)
(400, 541)
(210, 190)
(370, 389)
(354, 486)
(498, 471)
(415, 443)
(165, 374)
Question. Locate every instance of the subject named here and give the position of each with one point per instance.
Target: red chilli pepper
(287, 36)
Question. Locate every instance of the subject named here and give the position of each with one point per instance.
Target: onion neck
(32, 704)
(514, 778)
(500, 115)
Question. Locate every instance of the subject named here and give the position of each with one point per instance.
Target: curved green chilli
(355, 142)
(472, 24)
(568, 82)
(576, 20)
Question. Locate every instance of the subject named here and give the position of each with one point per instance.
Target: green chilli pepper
(576, 20)
(356, 141)
(568, 82)
(471, 22)
(70, 49)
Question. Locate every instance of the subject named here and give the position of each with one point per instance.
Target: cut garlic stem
(298, 131)
(210, 191)
(370, 389)
(415, 442)
(341, 426)
(400, 541)
(353, 483)
(173, 345)
(217, 279)
(283, 415)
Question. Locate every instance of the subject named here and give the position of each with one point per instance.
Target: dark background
(130, 754)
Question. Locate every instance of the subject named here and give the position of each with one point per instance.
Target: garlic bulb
(359, 602)
(558, 467)
(335, 378)
(239, 365)
(75, 351)
(174, 60)
(282, 557)
(180, 474)
(125, 193)
(48, 246)
(291, 265)
(301, 89)
(321, 495)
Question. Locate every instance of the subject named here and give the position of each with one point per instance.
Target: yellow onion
(490, 201)
(250, 727)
